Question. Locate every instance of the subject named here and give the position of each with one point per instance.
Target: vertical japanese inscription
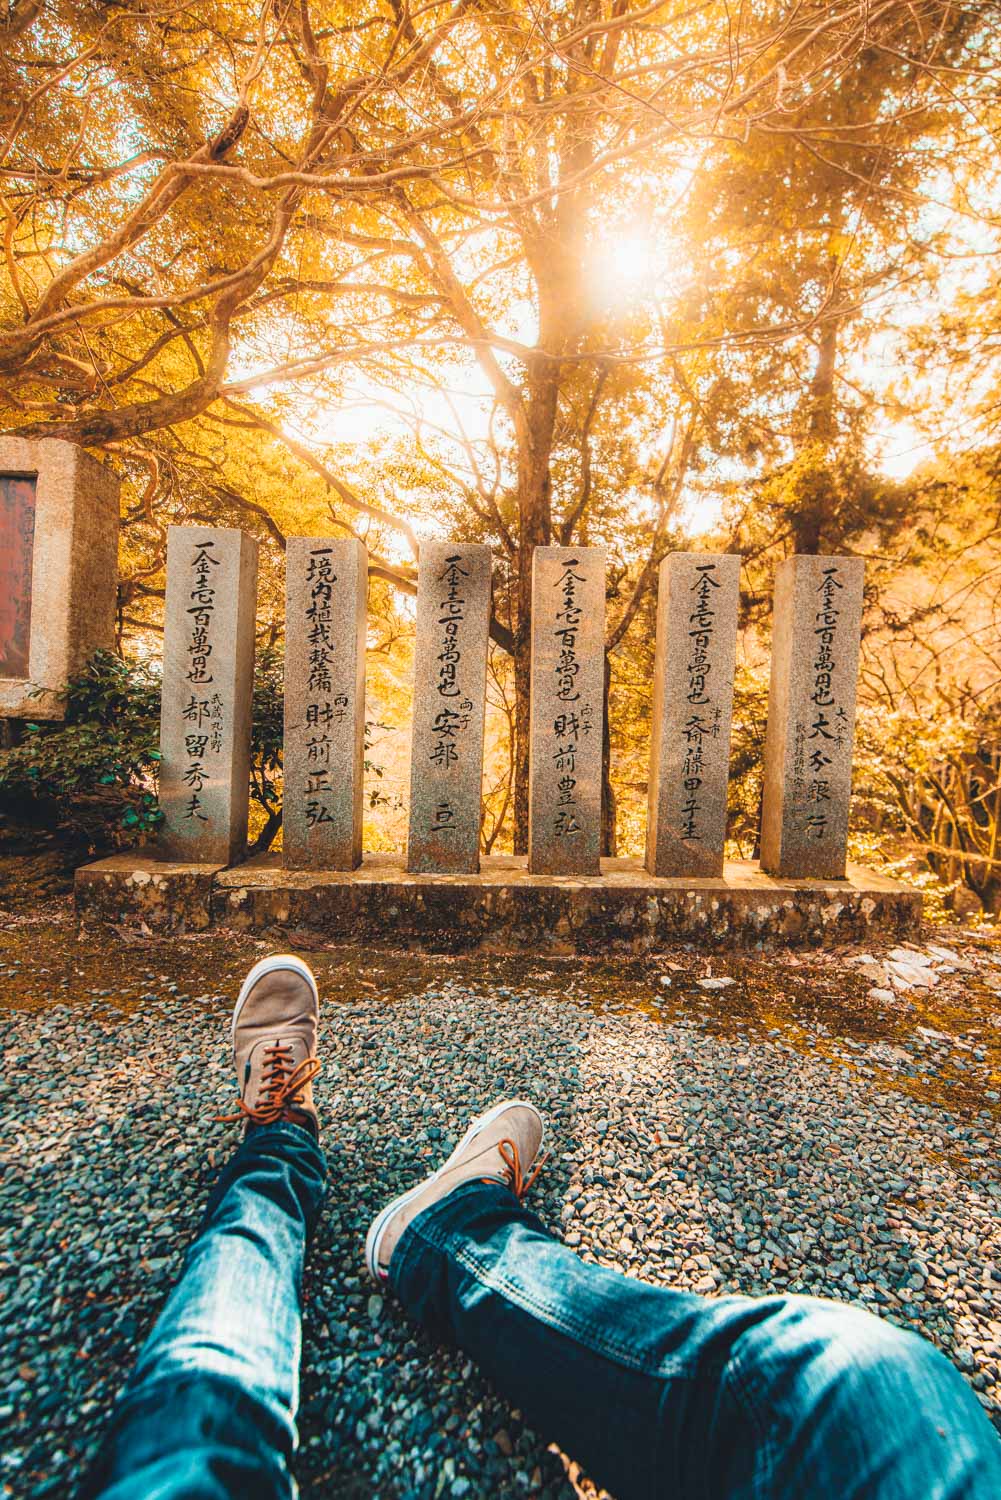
(207, 686)
(568, 623)
(17, 537)
(204, 717)
(446, 767)
(325, 620)
(693, 700)
(811, 716)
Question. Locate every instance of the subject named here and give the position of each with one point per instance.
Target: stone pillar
(324, 756)
(208, 679)
(567, 716)
(58, 570)
(811, 716)
(692, 706)
(450, 672)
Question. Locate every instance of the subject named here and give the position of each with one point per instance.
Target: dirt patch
(816, 1003)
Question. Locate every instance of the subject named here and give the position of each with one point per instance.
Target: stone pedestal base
(169, 896)
(504, 908)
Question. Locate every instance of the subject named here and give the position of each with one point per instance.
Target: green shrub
(92, 776)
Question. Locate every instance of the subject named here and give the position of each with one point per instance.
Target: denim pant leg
(668, 1394)
(209, 1411)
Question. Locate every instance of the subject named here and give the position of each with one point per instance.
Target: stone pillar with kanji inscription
(811, 716)
(567, 713)
(58, 570)
(450, 669)
(692, 707)
(208, 676)
(324, 755)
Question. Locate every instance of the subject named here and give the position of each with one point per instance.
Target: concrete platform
(504, 908)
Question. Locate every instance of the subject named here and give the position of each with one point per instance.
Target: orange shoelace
(516, 1179)
(281, 1086)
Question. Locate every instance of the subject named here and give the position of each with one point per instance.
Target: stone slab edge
(510, 912)
(167, 895)
(548, 914)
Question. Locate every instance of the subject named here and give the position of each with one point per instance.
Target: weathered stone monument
(811, 716)
(446, 758)
(208, 676)
(324, 756)
(692, 707)
(567, 717)
(563, 898)
(58, 570)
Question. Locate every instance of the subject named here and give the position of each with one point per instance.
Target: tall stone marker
(811, 716)
(58, 570)
(692, 707)
(450, 681)
(324, 760)
(567, 716)
(208, 675)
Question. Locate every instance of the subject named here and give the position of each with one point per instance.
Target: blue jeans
(209, 1411)
(656, 1393)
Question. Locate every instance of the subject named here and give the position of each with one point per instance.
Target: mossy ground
(47, 957)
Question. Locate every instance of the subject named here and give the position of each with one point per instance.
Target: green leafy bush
(91, 777)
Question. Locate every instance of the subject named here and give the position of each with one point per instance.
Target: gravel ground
(741, 1124)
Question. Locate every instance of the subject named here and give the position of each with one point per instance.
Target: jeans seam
(734, 1376)
(572, 1328)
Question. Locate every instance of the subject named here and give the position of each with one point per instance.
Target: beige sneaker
(274, 1043)
(500, 1146)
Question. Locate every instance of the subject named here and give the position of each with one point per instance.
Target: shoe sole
(373, 1239)
(268, 966)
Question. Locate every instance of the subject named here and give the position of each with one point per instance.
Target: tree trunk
(759, 818)
(555, 261)
(823, 423)
(535, 516)
(814, 511)
(522, 715)
(268, 833)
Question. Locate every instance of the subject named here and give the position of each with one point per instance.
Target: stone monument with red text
(58, 570)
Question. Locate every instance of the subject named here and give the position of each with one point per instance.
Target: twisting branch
(332, 481)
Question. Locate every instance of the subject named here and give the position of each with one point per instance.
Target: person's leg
(209, 1411)
(667, 1394)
